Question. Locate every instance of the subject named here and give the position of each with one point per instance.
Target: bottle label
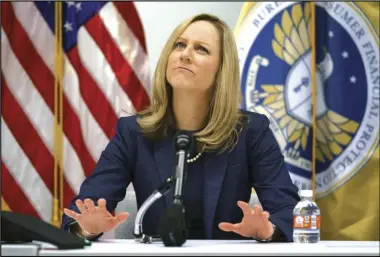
(306, 221)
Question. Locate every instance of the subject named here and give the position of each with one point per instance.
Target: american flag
(105, 76)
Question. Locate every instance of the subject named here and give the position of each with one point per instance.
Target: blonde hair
(221, 128)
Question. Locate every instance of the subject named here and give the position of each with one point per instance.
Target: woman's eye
(201, 48)
(179, 45)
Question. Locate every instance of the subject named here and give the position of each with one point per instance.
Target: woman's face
(195, 58)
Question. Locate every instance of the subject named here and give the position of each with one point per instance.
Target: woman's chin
(183, 86)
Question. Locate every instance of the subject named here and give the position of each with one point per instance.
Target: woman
(196, 90)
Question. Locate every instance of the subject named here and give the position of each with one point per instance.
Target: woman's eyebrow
(197, 41)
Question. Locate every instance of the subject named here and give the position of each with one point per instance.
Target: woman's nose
(185, 55)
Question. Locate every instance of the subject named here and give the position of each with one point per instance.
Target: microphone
(182, 143)
(172, 226)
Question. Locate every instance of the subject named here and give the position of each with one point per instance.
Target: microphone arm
(157, 194)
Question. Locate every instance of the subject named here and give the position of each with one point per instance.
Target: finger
(229, 227)
(72, 214)
(257, 209)
(121, 217)
(81, 206)
(118, 219)
(265, 215)
(244, 207)
(89, 204)
(102, 204)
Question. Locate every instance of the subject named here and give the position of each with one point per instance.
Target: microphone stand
(172, 226)
(157, 194)
(173, 230)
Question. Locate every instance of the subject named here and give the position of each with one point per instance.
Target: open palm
(255, 223)
(95, 219)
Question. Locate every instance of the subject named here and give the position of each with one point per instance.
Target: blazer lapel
(164, 156)
(215, 170)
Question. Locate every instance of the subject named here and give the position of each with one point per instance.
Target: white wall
(160, 18)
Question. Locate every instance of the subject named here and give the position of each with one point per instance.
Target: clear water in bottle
(306, 219)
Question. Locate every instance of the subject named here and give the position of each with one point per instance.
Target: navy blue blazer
(256, 161)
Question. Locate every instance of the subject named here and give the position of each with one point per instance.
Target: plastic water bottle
(306, 219)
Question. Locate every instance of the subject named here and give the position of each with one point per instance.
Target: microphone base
(172, 227)
(146, 239)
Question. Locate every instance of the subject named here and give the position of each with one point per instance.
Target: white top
(306, 193)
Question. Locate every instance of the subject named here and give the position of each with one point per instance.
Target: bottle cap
(306, 193)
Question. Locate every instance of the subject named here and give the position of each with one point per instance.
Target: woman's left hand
(255, 223)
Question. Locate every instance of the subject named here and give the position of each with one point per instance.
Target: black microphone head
(172, 227)
(182, 141)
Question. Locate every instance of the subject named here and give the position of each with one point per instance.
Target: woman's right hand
(95, 219)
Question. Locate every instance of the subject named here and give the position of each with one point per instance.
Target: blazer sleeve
(270, 178)
(112, 173)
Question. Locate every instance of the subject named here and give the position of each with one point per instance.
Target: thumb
(122, 216)
(245, 208)
(228, 227)
(118, 219)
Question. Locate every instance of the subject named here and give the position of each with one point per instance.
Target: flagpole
(314, 95)
(58, 117)
(60, 81)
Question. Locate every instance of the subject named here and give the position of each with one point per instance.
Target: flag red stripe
(68, 193)
(124, 74)
(96, 101)
(13, 195)
(129, 13)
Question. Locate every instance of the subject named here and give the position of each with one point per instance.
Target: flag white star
(79, 6)
(353, 79)
(345, 55)
(331, 34)
(70, 3)
(68, 26)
